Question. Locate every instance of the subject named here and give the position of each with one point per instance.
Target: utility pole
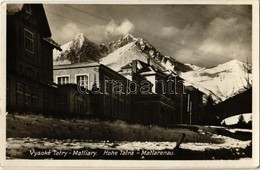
(190, 112)
(247, 68)
(189, 109)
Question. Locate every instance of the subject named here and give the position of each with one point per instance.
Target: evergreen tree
(210, 117)
(241, 121)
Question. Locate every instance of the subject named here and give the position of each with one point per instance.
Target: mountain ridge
(225, 80)
(220, 82)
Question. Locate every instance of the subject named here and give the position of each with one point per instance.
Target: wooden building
(29, 59)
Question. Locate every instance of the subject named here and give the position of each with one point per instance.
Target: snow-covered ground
(233, 120)
(227, 144)
(72, 136)
(70, 144)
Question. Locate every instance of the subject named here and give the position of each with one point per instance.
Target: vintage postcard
(129, 85)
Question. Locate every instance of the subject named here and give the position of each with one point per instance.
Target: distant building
(171, 100)
(29, 59)
(151, 104)
(145, 95)
(94, 83)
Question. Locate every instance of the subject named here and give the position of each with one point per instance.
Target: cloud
(226, 30)
(228, 38)
(220, 40)
(169, 31)
(99, 33)
(190, 34)
(113, 29)
(96, 33)
(67, 32)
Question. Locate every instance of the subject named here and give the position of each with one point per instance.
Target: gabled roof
(40, 16)
(37, 11)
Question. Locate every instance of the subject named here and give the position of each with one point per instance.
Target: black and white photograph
(141, 82)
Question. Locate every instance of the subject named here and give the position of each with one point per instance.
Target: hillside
(48, 127)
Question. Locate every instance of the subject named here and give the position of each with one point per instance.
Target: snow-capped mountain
(130, 48)
(223, 81)
(220, 82)
(80, 49)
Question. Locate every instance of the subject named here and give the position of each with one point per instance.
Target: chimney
(134, 66)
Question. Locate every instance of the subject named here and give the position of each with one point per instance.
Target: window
(35, 97)
(62, 79)
(82, 80)
(19, 94)
(28, 41)
(27, 95)
(80, 104)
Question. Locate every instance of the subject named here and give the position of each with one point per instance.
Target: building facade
(137, 93)
(29, 59)
(96, 84)
(170, 101)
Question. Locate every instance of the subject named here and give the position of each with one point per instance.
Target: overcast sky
(205, 35)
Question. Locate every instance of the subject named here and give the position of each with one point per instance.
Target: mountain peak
(234, 65)
(79, 40)
(80, 49)
(129, 37)
(79, 36)
(234, 61)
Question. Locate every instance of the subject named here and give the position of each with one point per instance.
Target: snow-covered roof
(127, 66)
(147, 70)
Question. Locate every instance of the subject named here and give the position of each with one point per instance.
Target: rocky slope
(80, 49)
